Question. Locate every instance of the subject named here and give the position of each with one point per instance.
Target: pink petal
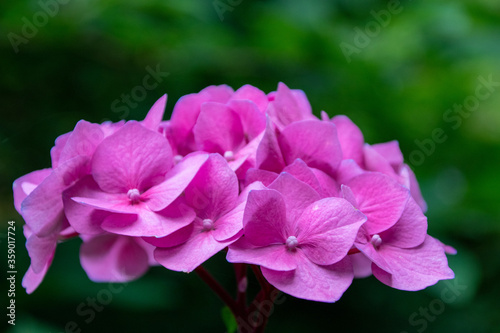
(414, 187)
(55, 152)
(350, 138)
(160, 196)
(83, 141)
(410, 230)
(132, 158)
(327, 183)
(288, 106)
(313, 282)
(313, 141)
(113, 258)
(150, 224)
(214, 189)
(245, 158)
(265, 218)
(43, 208)
(83, 218)
(326, 230)
(376, 162)
(32, 280)
(155, 114)
(348, 195)
(24, 185)
(41, 251)
(252, 119)
(391, 152)
(296, 194)
(218, 129)
(415, 268)
(269, 155)
(248, 92)
(302, 172)
(231, 223)
(257, 175)
(196, 250)
(362, 266)
(380, 198)
(348, 169)
(275, 256)
(176, 238)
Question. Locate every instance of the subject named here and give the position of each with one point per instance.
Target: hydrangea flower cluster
(258, 175)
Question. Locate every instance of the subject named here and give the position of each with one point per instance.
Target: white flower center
(292, 243)
(376, 241)
(134, 195)
(208, 224)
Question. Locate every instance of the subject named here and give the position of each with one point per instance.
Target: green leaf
(229, 320)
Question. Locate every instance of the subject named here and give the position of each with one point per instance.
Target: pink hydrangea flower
(383, 157)
(300, 240)
(133, 178)
(394, 236)
(115, 258)
(219, 213)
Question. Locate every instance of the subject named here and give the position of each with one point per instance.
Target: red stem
(217, 288)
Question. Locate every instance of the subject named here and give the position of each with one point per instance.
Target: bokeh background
(416, 60)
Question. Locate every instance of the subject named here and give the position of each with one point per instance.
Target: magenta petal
(313, 141)
(348, 169)
(252, 119)
(302, 172)
(327, 183)
(55, 152)
(288, 106)
(245, 158)
(214, 189)
(160, 196)
(257, 175)
(248, 92)
(228, 225)
(380, 198)
(348, 195)
(41, 251)
(148, 223)
(361, 265)
(83, 218)
(189, 255)
(134, 157)
(43, 208)
(115, 203)
(326, 230)
(155, 114)
(296, 194)
(176, 238)
(391, 152)
(24, 185)
(374, 255)
(376, 162)
(275, 257)
(350, 138)
(113, 258)
(313, 282)
(32, 280)
(269, 155)
(83, 141)
(414, 187)
(410, 230)
(265, 218)
(218, 129)
(415, 268)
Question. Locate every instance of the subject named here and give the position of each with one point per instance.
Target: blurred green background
(394, 68)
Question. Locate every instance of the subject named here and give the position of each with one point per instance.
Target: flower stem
(217, 288)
